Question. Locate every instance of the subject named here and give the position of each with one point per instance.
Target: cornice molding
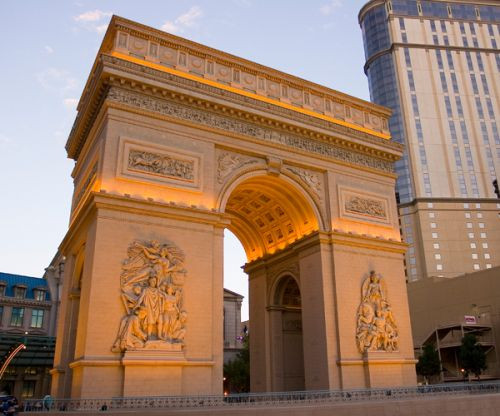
(335, 148)
(108, 65)
(203, 51)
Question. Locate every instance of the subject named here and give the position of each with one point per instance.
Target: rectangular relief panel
(159, 165)
(358, 205)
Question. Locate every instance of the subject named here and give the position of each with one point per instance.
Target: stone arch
(268, 212)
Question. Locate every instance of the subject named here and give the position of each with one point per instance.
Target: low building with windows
(443, 310)
(28, 316)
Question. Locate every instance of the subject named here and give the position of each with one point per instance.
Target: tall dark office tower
(436, 64)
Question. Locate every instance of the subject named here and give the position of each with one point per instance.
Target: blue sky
(48, 48)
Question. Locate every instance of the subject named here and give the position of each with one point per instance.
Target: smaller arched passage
(268, 212)
(286, 336)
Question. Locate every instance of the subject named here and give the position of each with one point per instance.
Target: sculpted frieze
(192, 114)
(162, 165)
(376, 328)
(151, 283)
(312, 179)
(212, 90)
(365, 206)
(228, 162)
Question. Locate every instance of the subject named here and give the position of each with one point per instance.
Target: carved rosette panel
(366, 206)
(162, 165)
(312, 179)
(376, 329)
(229, 162)
(151, 282)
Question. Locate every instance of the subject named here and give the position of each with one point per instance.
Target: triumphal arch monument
(175, 142)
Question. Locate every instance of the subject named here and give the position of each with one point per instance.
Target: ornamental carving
(365, 206)
(162, 165)
(376, 329)
(151, 282)
(192, 114)
(311, 179)
(229, 162)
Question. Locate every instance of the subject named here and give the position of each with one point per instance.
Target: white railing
(262, 399)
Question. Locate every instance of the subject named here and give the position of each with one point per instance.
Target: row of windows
(444, 10)
(17, 317)
(20, 292)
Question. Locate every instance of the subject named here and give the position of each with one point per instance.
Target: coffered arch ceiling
(268, 213)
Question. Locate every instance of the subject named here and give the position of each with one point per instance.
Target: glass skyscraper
(436, 64)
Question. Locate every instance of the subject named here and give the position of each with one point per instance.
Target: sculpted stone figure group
(151, 282)
(376, 329)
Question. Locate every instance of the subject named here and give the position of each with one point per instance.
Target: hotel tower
(436, 64)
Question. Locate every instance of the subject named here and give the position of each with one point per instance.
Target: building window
(485, 245)
(430, 205)
(478, 205)
(488, 266)
(483, 235)
(28, 389)
(467, 215)
(19, 292)
(479, 215)
(433, 225)
(469, 225)
(434, 235)
(471, 235)
(431, 215)
(39, 294)
(481, 225)
(436, 246)
(36, 318)
(487, 256)
(472, 245)
(16, 318)
(466, 206)
(474, 256)
(1, 314)
(437, 256)
(439, 267)
(476, 266)
(2, 289)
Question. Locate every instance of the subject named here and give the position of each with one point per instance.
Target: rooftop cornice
(114, 71)
(147, 32)
(373, 3)
(304, 97)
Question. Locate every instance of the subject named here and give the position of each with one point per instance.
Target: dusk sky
(49, 48)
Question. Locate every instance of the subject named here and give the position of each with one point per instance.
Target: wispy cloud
(70, 103)
(330, 7)
(4, 139)
(48, 49)
(58, 80)
(93, 20)
(184, 21)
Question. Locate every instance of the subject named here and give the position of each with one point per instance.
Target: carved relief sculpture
(161, 165)
(376, 329)
(365, 206)
(229, 162)
(311, 179)
(151, 283)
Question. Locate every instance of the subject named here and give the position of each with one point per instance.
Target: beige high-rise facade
(436, 65)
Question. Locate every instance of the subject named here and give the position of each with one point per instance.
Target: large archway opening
(268, 215)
